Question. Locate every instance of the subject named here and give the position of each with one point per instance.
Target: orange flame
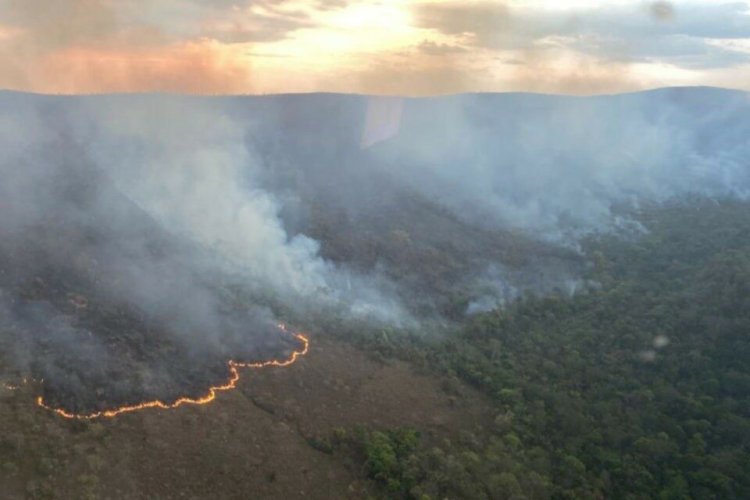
(16, 387)
(210, 396)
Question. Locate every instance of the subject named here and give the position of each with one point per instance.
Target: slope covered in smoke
(344, 194)
(559, 166)
(469, 186)
(388, 210)
(100, 301)
(551, 164)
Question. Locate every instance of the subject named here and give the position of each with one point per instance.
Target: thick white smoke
(559, 166)
(216, 171)
(189, 166)
(136, 238)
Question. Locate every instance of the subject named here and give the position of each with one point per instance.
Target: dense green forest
(638, 387)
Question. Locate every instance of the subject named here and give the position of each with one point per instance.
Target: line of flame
(16, 387)
(210, 396)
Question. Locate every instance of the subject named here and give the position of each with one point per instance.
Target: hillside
(506, 295)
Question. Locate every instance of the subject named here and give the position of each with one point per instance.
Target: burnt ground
(111, 307)
(108, 306)
(257, 441)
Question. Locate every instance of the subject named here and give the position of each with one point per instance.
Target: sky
(391, 47)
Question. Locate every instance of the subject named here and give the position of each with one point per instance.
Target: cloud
(267, 21)
(60, 23)
(615, 32)
(202, 67)
(83, 46)
(662, 10)
(258, 29)
(439, 49)
(679, 50)
(93, 46)
(465, 17)
(229, 46)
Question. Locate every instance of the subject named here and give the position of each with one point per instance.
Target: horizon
(402, 249)
(360, 94)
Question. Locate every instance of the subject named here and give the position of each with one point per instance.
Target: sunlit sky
(405, 47)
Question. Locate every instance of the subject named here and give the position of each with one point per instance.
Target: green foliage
(388, 455)
(639, 387)
(322, 445)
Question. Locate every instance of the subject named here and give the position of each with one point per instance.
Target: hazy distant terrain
(573, 270)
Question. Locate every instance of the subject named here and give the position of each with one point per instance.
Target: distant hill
(455, 190)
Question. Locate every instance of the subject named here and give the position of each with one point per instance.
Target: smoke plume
(148, 239)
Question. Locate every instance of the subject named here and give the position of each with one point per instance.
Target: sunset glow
(374, 46)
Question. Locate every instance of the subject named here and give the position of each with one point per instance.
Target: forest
(638, 387)
(473, 334)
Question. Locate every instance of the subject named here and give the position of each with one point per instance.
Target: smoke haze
(198, 219)
(562, 165)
